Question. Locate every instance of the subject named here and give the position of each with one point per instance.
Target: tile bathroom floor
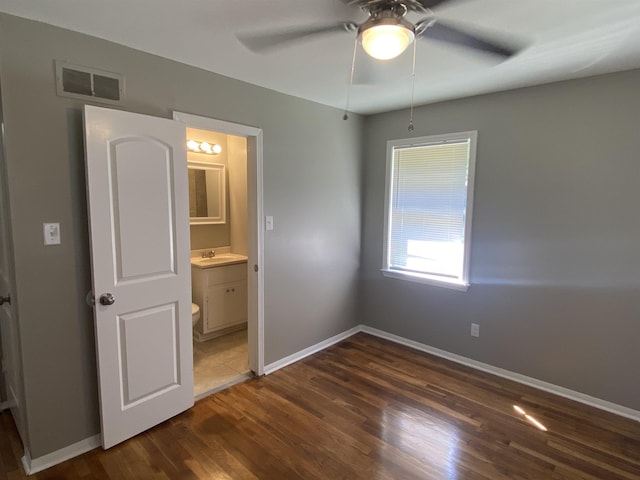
(219, 361)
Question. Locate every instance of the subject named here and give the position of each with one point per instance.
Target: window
(428, 209)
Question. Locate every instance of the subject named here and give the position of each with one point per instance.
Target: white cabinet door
(227, 305)
(236, 305)
(216, 299)
(139, 222)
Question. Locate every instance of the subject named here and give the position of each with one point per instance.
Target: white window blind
(428, 206)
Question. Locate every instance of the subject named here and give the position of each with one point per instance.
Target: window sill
(426, 279)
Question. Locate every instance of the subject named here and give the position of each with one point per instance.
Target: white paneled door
(139, 223)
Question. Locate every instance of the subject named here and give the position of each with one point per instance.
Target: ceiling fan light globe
(385, 42)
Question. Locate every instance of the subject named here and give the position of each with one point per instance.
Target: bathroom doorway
(226, 251)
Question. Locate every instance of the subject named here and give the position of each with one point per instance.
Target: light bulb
(205, 147)
(216, 148)
(386, 41)
(193, 145)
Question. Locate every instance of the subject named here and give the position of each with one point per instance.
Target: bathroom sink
(218, 260)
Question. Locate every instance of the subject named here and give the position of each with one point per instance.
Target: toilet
(195, 313)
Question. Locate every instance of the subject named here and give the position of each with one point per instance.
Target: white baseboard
(294, 357)
(509, 375)
(35, 465)
(500, 372)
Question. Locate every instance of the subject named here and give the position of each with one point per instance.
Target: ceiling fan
(386, 33)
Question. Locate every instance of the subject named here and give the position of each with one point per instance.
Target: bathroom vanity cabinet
(221, 293)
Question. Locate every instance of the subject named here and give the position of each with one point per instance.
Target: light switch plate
(475, 330)
(268, 222)
(51, 233)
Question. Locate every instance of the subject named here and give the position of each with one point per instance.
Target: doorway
(227, 349)
(141, 273)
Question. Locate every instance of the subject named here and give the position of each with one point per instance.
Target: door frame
(255, 321)
(11, 368)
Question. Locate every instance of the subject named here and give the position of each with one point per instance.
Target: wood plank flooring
(366, 409)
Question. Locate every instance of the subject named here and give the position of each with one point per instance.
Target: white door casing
(255, 264)
(137, 195)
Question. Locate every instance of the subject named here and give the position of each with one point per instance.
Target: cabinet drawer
(229, 273)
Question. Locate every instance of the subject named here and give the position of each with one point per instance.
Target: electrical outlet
(475, 330)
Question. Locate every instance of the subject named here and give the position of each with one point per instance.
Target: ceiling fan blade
(412, 5)
(447, 32)
(268, 41)
(431, 3)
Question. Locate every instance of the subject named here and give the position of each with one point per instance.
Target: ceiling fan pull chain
(353, 68)
(413, 86)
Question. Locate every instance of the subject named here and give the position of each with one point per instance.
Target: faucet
(210, 254)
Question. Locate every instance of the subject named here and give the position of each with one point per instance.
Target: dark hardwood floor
(366, 409)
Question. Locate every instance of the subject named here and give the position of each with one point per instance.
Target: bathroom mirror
(206, 193)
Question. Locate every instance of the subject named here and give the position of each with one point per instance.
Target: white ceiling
(566, 39)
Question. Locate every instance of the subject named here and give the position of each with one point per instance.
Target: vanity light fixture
(204, 147)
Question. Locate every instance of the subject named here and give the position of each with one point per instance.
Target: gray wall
(555, 260)
(311, 187)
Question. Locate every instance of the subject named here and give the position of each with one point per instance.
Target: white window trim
(435, 280)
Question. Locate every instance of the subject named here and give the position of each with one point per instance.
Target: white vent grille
(84, 83)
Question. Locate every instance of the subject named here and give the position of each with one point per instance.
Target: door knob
(90, 299)
(107, 299)
(6, 299)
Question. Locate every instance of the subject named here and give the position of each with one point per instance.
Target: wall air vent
(85, 83)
